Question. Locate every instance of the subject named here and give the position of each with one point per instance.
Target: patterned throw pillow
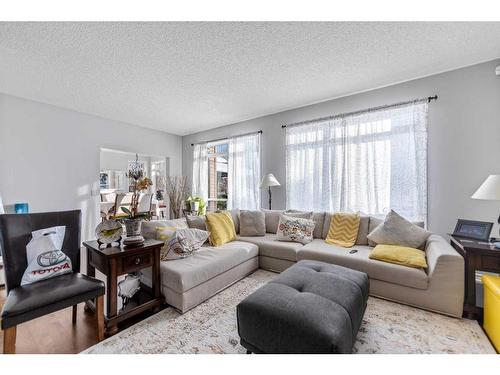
(295, 229)
(344, 228)
(180, 243)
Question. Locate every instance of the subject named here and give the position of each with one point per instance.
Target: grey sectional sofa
(188, 282)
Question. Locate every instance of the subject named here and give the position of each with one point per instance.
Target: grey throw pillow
(252, 223)
(396, 230)
(196, 222)
(272, 219)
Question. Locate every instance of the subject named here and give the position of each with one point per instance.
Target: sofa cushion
(272, 220)
(393, 273)
(206, 263)
(252, 223)
(271, 247)
(364, 223)
(396, 230)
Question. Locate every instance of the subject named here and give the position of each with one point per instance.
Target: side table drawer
(490, 263)
(133, 263)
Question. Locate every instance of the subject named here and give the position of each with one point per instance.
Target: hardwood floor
(56, 334)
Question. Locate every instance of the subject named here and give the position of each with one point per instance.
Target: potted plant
(196, 204)
(134, 218)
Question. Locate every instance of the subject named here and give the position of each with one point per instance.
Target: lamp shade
(489, 189)
(269, 180)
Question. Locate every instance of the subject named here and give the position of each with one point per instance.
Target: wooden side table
(117, 261)
(478, 256)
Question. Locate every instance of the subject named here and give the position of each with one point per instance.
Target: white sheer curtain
(371, 162)
(200, 170)
(244, 172)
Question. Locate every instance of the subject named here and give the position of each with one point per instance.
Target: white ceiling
(183, 78)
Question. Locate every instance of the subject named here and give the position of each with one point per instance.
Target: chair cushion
(393, 273)
(183, 274)
(271, 247)
(34, 300)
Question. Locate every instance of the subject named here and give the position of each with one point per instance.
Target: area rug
(211, 328)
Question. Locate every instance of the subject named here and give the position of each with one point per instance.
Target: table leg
(111, 297)
(90, 272)
(470, 287)
(156, 277)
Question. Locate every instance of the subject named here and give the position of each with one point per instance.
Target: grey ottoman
(312, 307)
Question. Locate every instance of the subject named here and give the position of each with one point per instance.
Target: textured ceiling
(188, 77)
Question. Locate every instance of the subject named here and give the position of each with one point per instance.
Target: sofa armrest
(442, 257)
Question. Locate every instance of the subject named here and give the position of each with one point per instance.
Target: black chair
(24, 303)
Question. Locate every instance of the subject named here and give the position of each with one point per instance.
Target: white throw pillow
(180, 243)
(45, 257)
(396, 230)
(295, 229)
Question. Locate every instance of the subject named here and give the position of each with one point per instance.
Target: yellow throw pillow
(344, 229)
(220, 225)
(405, 256)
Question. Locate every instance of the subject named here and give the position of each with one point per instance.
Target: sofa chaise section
(185, 283)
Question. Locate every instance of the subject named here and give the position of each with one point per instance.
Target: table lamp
(489, 190)
(267, 181)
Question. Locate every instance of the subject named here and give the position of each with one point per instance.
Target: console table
(121, 260)
(478, 256)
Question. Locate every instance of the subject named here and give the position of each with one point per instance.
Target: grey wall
(49, 156)
(464, 138)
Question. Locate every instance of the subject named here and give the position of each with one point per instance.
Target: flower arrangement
(141, 183)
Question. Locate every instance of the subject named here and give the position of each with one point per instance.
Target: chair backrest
(15, 233)
(144, 204)
(122, 200)
(108, 197)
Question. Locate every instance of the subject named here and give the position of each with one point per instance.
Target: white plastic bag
(44, 255)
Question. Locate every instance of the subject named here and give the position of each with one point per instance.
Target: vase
(133, 231)
(195, 206)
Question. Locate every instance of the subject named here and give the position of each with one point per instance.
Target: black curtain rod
(233, 136)
(427, 99)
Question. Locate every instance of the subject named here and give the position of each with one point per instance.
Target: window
(227, 173)
(370, 162)
(217, 176)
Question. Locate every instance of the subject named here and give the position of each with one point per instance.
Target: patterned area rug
(211, 328)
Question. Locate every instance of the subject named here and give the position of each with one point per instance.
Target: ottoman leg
(249, 352)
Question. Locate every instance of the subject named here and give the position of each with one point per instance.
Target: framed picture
(477, 230)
